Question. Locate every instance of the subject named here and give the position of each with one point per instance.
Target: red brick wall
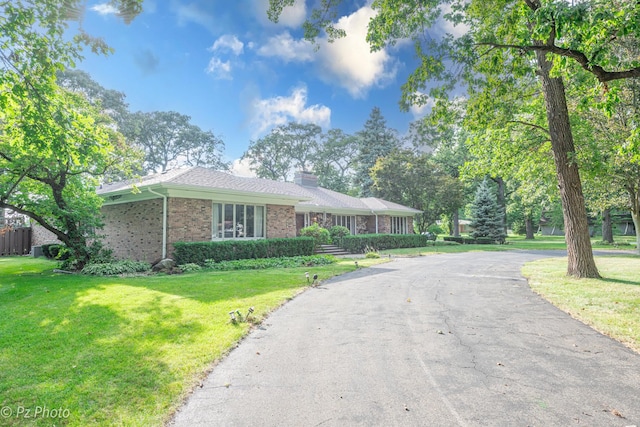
(189, 220)
(281, 221)
(134, 230)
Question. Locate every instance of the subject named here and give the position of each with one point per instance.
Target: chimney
(305, 179)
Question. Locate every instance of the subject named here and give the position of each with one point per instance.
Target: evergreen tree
(376, 140)
(487, 217)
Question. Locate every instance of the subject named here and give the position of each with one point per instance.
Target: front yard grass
(623, 243)
(122, 351)
(610, 305)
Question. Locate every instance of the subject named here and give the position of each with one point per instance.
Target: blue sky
(236, 73)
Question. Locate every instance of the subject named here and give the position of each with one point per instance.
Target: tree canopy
(504, 41)
(53, 143)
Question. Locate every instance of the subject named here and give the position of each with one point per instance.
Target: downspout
(164, 222)
(376, 221)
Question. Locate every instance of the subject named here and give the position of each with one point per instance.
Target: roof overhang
(129, 194)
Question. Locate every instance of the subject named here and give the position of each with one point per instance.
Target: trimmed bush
(337, 232)
(319, 234)
(359, 243)
(231, 250)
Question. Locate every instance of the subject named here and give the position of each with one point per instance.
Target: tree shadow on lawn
(108, 354)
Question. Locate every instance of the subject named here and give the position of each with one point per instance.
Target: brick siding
(134, 230)
(189, 220)
(281, 221)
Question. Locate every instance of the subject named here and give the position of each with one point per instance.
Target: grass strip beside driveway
(610, 305)
(122, 351)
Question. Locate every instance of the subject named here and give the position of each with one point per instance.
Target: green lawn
(122, 351)
(610, 305)
(127, 351)
(624, 243)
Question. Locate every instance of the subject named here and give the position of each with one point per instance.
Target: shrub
(55, 251)
(337, 232)
(229, 250)
(452, 239)
(435, 229)
(116, 267)
(259, 264)
(358, 243)
(189, 267)
(319, 234)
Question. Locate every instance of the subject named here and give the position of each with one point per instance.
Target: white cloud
(291, 17)
(228, 43)
(347, 62)
(285, 47)
(241, 167)
(420, 110)
(219, 69)
(271, 112)
(192, 12)
(105, 9)
(350, 63)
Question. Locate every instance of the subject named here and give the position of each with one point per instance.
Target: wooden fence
(15, 242)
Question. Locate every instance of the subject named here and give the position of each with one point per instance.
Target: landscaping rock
(165, 265)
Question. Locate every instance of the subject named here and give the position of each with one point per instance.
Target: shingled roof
(308, 198)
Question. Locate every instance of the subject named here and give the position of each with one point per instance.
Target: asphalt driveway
(444, 340)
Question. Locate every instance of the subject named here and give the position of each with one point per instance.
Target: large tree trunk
(634, 196)
(579, 251)
(528, 224)
(456, 224)
(607, 227)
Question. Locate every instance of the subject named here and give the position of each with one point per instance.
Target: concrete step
(331, 250)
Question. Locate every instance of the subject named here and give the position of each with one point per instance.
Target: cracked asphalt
(443, 340)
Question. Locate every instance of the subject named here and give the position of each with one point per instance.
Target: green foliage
(486, 215)
(283, 262)
(116, 267)
(416, 180)
(169, 138)
(359, 243)
(55, 144)
(189, 267)
(229, 250)
(435, 229)
(376, 141)
(320, 235)
(334, 161)
(287, 147)
(337, 232)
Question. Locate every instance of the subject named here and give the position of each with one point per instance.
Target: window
(231, 221)
(345, 221)
(399, 225)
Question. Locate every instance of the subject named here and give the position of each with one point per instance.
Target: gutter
(164, 221)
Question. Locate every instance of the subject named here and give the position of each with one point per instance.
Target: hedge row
(358, 243)
(263, 263)
(470, 240)
(230, 250)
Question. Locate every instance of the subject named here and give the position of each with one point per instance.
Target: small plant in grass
(370, 252)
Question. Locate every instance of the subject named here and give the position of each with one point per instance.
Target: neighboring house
(144, 218)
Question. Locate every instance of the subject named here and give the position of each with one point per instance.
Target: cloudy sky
(236, 73)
